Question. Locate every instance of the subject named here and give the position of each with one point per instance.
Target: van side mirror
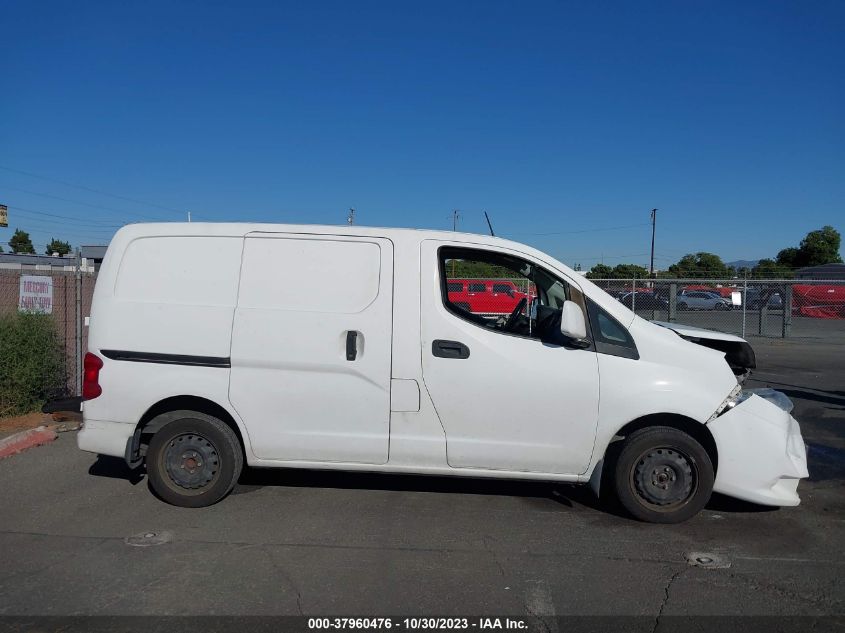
(572, 324)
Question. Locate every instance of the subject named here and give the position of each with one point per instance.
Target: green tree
(817, 248)
(629, 271)
(57, 246)
(788, 257)
(771, 269)
(620, 271)
(20, 242)
(820, 247)
(700, 265)
(600, 271)
(465, 268)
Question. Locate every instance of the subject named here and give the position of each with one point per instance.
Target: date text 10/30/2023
(419, 623)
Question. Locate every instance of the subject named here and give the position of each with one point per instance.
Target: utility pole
(350, 218)
(653, 224)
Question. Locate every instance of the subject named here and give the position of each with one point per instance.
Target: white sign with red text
(36, 294)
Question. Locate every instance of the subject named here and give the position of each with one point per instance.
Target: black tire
(682, 306)
(662, 475)
(205, 450)
(721, 306)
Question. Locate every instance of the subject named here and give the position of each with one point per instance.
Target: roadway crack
(665, 600)
(287, 578)
(486, 541)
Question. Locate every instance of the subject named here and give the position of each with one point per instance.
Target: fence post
(634, 294)
(78, 344)
(653, 299)
(763, 311)
(787, 310)
(744, 301)
(673, 303)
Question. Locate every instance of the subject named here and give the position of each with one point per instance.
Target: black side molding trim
(167, 359)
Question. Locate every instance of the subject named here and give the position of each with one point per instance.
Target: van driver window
(504, 293)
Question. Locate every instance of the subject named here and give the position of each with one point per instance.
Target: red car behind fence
(488, 296)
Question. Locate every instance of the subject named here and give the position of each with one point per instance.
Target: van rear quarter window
(180, 270)
(309, 275)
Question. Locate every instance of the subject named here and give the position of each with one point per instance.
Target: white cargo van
(339, 348)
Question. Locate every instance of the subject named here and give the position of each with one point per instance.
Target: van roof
(240, 229)
(144, 229)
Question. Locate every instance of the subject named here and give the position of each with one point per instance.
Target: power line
(91, 189)
(603, 256)
(87, 204)
(39, 224)
(609, 228)
(26, 210)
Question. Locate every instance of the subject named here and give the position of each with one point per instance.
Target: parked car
(197, 365)
(644, 301)
(485, 296)
(757, 299)
(698, 300)
(722, 291)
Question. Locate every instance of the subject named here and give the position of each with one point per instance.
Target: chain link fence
(797, 309)
(42, 314)
(800, 309)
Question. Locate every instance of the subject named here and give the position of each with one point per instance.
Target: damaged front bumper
(761, 452)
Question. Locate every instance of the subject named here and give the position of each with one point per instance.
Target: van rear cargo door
(311, 347)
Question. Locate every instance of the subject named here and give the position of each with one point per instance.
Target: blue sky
(557, 118)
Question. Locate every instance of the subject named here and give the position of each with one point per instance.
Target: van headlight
(728, 403)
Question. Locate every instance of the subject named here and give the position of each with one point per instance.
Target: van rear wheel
(194, 460)
(663, 475)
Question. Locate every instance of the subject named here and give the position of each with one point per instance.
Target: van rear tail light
(91, 376)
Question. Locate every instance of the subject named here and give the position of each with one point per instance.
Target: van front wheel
(663, 475)
(194, 460)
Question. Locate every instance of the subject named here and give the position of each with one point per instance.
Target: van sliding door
(311, 347)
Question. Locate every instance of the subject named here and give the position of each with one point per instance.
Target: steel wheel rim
(664, 479)
(191, 462)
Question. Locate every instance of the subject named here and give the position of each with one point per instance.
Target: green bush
(32, 362)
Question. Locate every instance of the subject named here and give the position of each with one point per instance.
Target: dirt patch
(56, 421)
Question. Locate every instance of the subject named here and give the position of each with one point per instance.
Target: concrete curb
(24, 440)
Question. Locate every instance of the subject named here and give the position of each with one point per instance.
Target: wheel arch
(147, 425)
(698, 431)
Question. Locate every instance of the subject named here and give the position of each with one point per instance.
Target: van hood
(738, 352)
(689, 331)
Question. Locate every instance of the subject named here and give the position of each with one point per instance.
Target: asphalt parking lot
(294, 542)
(769, 324)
